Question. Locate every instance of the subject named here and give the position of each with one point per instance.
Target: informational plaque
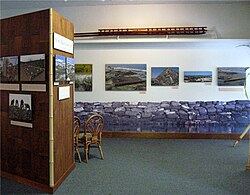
(63, 44)
(64, 93)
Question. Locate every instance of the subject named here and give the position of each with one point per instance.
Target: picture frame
(231, 76)
(9, 68)
(20, 107)
(197, 76)
(83, 77)
(164, 76)
(32, 67)
(60, 68)
(70, 69)
(125, 77)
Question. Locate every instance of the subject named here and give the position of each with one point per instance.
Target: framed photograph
(20, 107)
(9, 69)
(60, 68)
(125, 77)
(197, 76)
(231, 76)
(32, 67)
(83, 77)
(165, 76)
(70, 64)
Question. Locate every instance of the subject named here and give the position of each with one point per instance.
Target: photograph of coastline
(9, 69)
(165, 76)
(83, 77)
(197, 76)
(20, 108)
(70, 69)
(60, 68)
(231, 76)
(125, 77)
(32, 67)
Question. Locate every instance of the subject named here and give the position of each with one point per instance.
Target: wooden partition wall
(39, 153)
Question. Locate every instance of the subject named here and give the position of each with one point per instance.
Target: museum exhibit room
(135, 97)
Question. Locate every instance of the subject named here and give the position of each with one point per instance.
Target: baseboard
(22, 180)
(39, 186)
(168, 135)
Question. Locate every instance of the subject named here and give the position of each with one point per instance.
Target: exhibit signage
(62, 43)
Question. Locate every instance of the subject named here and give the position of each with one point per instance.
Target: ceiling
(19, 4)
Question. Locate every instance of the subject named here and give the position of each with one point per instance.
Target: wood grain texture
(25, 150)
(63, 133)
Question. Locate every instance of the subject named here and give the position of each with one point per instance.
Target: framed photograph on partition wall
(165, 76)
(32, 67)
(83, 77)
(125, 77)
(197, 76)
(231, 76)
(70, 68)
(60, 68)
(9, 69)
(20, 107)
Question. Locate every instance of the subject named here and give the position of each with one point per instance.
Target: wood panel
(63, 133)
(25, 151)
(63, 111)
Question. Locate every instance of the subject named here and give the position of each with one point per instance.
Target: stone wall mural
(170, 116)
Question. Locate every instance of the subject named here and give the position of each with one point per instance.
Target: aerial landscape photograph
(231, 76)
(197, 76)
(165, 76)
(9, 69)
(32, 67)
(125, 77)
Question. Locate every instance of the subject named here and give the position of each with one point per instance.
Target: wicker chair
(93, 134)
(77, 124)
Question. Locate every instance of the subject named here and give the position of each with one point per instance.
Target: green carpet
(156, 166)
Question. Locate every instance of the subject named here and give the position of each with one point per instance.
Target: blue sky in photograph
(70, 61)
(196, 73)
(60, 60)
(155, 71)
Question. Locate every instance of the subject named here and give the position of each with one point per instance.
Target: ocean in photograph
(83, 77)
(165, 76)
(60, 68)
(32, 67)
(125, 77)
(197, 76)
(231, 76)
(70, 69)
(9, 69)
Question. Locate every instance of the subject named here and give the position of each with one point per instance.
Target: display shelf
(164, 40)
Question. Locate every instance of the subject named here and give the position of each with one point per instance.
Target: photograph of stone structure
(60, 68)
(9, 69)
(83, 77)
(20, 108)
(70, 63)
(32, 67)
(125, 77)
(231, 76)
(197, 76)
(164, 76)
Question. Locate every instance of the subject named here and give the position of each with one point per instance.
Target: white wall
(230, 20)
(186, 58)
